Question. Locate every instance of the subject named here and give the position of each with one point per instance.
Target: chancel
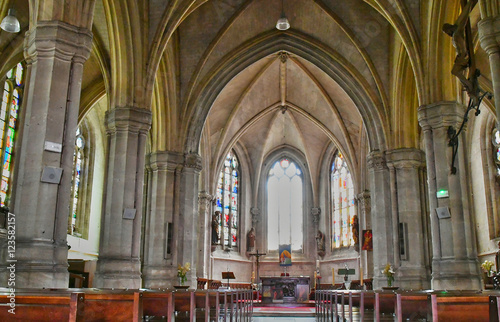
(140, 136)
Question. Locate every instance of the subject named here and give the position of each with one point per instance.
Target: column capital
(128, 119)
(489, 34)
(440, 115)
(205, 198)
(405, 158)
(255, 215)
(315, 213)
(57, 39)
(193, 161)
(376, 161)
(165, 160)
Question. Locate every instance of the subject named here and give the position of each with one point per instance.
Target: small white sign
(53, 146)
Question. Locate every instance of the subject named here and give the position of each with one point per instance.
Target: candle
(361, 275)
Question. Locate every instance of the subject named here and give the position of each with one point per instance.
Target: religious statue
(462, 60)
(251, 239)
(320, 243)
(355, 230)
(215, 228)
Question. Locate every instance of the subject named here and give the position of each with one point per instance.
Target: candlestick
(361, 275)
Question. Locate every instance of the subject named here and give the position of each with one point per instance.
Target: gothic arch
(301, 45)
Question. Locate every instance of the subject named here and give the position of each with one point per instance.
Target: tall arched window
(227, 201)
(496, 146)
(284, 205)
(76, 224)
(342, 201)
(12, 95)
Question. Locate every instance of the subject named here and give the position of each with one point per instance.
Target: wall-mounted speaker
(129, 213)
(51, 175)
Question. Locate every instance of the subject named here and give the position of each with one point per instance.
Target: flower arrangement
(182, 271)
(388, 271)
(487, 265)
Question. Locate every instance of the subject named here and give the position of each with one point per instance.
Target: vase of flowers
(182, 271)
(487, 267)
(388, 271)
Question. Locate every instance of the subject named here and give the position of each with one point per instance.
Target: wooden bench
(459, 306)
(158, 304)
(45, 307)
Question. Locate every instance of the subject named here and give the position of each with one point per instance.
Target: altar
(285, 289)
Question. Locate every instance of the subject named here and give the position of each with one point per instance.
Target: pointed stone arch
(330, 62)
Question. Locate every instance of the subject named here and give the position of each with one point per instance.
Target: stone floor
(288, 319)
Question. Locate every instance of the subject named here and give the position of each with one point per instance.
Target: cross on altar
(346, 272)
(257, 255)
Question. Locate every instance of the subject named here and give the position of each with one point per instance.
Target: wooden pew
(459, 306)
(158, 304)
(113, 305)
(412, 306)
(45, 307)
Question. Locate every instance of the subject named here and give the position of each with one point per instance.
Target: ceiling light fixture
(282, 23)
(10, 22)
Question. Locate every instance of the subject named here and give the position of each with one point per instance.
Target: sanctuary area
(297, 144)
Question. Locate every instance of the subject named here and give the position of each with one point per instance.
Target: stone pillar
(413, 270)
(158, 270)
(204, 233)
(187, 241)
(119, 264)
(454, 261)
(55, 53)
(383, 234)
(489, 36)
(363, 202)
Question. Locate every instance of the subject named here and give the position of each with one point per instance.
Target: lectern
(228, 276)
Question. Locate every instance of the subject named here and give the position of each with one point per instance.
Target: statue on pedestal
(320, 243)
(251, 239)
(215, 228)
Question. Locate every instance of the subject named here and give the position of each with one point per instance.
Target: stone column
(204, 233)
(454, 261)
(489, 36)
(383, 234)
(119, 264)
(412, 270)
(55, 53)
(363, 202)
(158, 270)
(187, 241)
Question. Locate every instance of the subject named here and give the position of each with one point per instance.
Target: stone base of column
(118, 273)
(451, 274)
(159, 276)
(413, 278)
(37, 264)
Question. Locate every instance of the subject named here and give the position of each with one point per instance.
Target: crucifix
(460, 32)
(257, 255)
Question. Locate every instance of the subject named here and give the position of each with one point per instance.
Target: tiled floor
(283, 319)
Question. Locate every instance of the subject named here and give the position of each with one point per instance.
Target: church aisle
(287, 318)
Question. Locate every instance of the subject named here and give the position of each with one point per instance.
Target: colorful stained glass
(285, 205)
(9, 111)
(496, 146)
(343, 206)
(227, 201)
(78, 159)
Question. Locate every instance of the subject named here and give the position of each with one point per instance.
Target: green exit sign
(442, 194)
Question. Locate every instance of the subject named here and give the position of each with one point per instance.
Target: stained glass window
(284, 205)
(78, 159)
(11, 100)
(342, 200)
(227, 201)
(496, 146)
